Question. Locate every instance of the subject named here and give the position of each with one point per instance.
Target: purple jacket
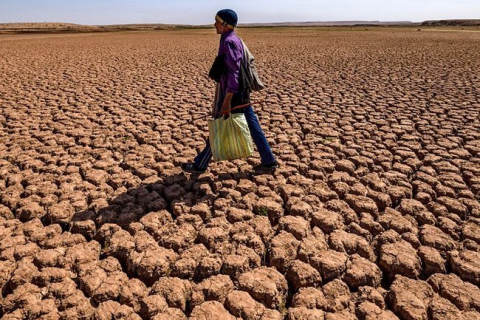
(231, 46)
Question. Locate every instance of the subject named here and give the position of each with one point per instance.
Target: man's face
(219, 27)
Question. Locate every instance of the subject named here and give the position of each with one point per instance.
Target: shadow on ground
(178, 194)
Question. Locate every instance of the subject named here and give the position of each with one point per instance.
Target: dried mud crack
(373, 214)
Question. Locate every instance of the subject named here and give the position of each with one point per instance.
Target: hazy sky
(203, 11)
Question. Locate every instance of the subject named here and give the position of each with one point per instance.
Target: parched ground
(374, 213)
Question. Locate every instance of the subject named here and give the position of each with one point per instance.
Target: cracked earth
(373, 214)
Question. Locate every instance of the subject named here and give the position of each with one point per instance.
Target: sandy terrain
(374, 213)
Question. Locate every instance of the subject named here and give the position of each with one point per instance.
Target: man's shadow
(177, 194)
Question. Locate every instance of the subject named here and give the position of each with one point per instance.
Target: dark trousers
(204, 157)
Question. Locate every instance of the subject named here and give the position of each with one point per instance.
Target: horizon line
(244, 23)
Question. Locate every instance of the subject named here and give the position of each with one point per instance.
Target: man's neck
(226, 33)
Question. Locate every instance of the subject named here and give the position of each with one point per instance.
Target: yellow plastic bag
(230, 138)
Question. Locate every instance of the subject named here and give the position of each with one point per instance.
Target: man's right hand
(226, 109)
(227, 104)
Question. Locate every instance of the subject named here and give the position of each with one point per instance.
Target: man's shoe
(191, 168)
(267, 167)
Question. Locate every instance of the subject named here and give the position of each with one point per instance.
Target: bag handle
(234, 108)
(237, 107)
(242, 106)
(247, 104)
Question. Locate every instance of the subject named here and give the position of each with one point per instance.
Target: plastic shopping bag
(230, 138)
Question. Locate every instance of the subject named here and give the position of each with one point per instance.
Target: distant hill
(329, 24)
(39, 25)
(59, 27)
(453, 22)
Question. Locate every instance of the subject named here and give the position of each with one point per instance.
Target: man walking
(232, 93)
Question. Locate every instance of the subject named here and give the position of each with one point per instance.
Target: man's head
(225, 20)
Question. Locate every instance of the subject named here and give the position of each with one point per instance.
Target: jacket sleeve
(233, 59)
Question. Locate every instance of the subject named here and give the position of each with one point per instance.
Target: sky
(198, 12)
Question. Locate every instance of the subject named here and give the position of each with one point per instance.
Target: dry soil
(373, 214)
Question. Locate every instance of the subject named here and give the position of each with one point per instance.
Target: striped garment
(230, 138)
